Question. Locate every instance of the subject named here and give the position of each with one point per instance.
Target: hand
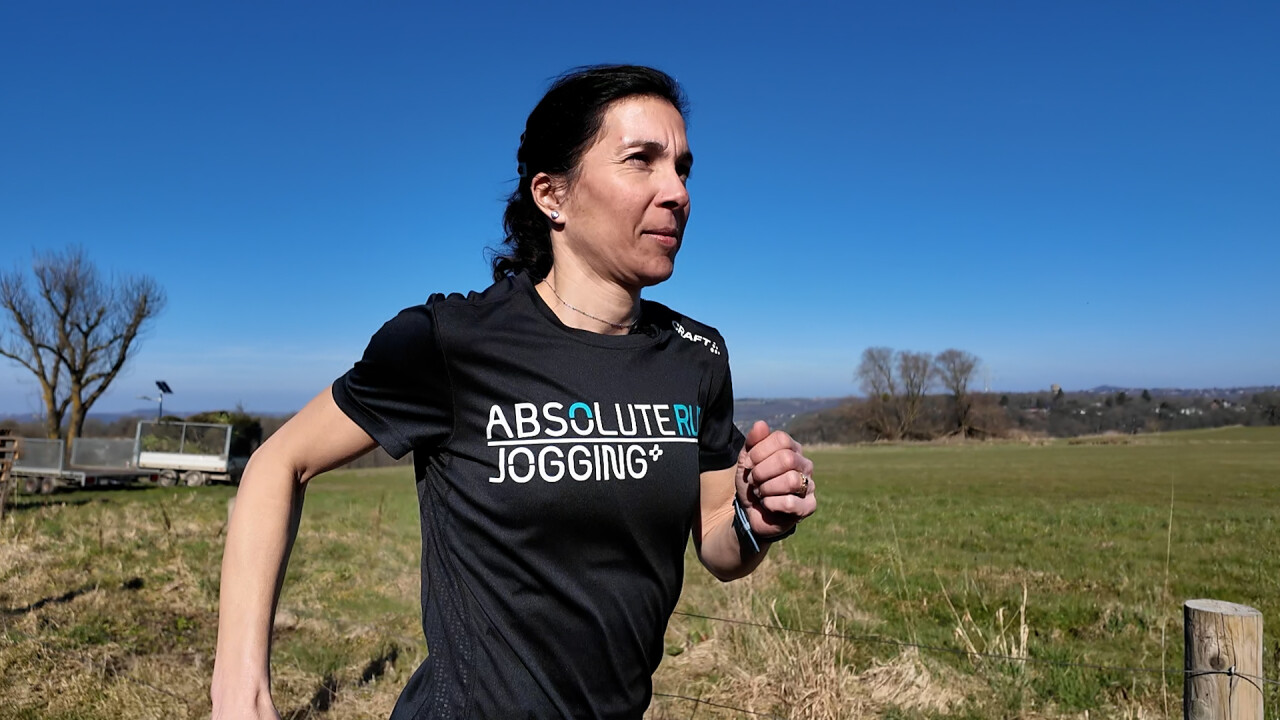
(250, 711)
(771, 481)
(246, 701)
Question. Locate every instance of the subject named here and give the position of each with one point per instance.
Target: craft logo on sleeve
(707, 342)
(582, 441)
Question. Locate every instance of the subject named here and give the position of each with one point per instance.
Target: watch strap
(748, 538)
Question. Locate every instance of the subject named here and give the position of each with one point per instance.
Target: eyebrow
(656, 146)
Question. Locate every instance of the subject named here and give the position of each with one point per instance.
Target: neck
(587, 302)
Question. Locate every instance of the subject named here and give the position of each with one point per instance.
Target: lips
(667, 237)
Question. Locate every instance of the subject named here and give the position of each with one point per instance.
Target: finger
(791, 483)
(758, 432)
(790, 505)
(779, 464)
(776, 441)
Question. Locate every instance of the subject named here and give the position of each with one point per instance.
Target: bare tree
(73, 330)
(876, 378)
(915, 374)
(955, 369)
(895, 384)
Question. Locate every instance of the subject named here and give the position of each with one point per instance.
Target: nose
(673, 194)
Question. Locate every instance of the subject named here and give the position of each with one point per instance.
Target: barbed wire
(878, 639)
(1229, 672)
(700, 701)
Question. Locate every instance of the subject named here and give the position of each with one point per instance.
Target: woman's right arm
(259, 537)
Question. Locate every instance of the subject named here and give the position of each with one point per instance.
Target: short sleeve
(719, 440)
(399, 391)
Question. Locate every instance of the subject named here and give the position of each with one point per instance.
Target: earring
(555, 215)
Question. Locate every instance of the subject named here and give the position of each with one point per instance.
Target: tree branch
(79, 329)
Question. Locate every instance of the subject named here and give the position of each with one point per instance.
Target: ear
(548, 194)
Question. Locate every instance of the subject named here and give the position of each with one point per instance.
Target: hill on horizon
(777, 411)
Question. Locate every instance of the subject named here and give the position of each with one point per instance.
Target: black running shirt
(558, 478)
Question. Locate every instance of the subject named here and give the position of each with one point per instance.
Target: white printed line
(568, 440)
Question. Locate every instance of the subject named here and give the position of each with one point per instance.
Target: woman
(568, 439)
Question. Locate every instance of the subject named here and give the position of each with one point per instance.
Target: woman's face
(624, 214)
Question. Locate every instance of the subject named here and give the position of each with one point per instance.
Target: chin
(657, 272)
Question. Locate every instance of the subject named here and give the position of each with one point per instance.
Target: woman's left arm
(773, 482)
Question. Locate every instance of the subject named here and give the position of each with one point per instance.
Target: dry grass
(108, 608)
(1058, 553)
(1107, 438)
(997, 640)
(112, 613)
(791, 675)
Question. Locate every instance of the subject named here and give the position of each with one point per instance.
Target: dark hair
(561, 128)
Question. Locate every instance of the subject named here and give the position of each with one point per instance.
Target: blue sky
(1078, 193)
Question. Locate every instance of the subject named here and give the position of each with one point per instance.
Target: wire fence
(1256, 681)
(699, 701)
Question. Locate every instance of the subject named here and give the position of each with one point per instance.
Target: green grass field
(108, 599)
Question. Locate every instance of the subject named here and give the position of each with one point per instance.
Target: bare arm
(713, 535)
(259, 537)
(770, 470)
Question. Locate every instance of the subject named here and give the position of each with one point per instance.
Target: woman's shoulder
(664, 317)
(422, 319)
(500, 291)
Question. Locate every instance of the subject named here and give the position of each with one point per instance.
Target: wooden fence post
(8, 453)
(1223, 642)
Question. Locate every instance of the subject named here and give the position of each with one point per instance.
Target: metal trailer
(196, 453)
(43, 467)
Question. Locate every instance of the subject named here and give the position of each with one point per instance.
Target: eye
(638, 158)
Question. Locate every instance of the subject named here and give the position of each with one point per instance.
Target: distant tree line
(1058, 413)
(912, 395)
(901, 404)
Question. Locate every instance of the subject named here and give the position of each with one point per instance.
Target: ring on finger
(804, 486)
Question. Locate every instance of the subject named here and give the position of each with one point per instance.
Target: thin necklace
(580, 311)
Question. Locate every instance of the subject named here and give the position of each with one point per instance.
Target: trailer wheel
(195, 478)
(168, 478)
(31, 485)
(47, 486)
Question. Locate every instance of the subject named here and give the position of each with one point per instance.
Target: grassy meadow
(1057, 551)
